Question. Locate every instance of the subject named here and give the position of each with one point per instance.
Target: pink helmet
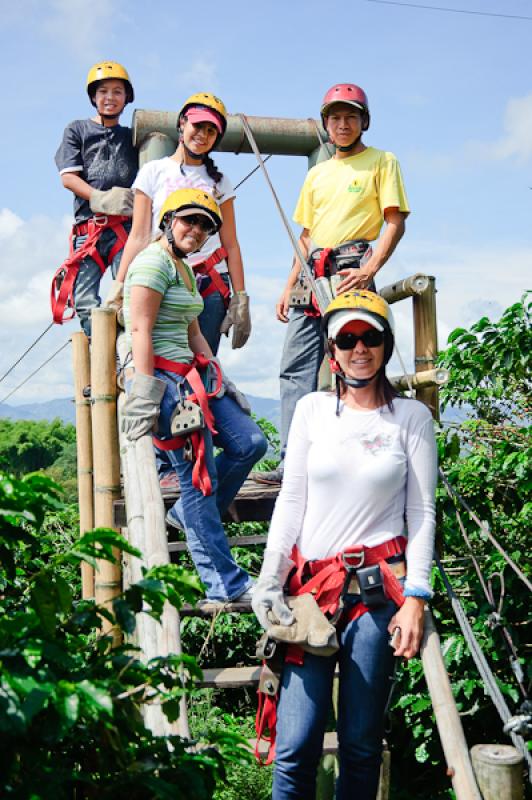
(346, 93)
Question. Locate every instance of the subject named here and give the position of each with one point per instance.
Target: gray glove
(268, 601)
(112, 201)
(229, 388)
(238, 317)
(141, 409)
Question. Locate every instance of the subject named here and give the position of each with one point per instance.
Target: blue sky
(450, 95)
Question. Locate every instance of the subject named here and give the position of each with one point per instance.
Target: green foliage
(27, 446)
(487, 459)
(70, 721)
(271, 459)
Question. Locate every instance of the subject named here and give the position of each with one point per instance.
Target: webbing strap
(63, 297)
(200, 474)
(266, 725)
(217, 283)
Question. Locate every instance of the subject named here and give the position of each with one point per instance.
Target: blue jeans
(300, 364)
(87, 283)
(209, 321)
(365, 667)
(243, 444)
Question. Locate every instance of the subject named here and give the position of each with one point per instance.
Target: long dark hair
(212, 170)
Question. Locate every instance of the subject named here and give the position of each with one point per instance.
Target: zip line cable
(12, 367)
(483, 667)
(12, 392)
(451, 10)
(251, 173)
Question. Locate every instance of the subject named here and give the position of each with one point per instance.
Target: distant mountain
(65, 410)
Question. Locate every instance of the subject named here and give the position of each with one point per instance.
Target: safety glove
(311, 629)
(239, 319)
(229, 388)
(115, 201)
(141, 409)
(268, 601)
(115, 295)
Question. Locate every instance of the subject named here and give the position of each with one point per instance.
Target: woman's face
(199, 137)
(360, 361)
(191, 232)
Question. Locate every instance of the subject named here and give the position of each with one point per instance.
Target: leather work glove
(311, 629)
(229, 388)
(115, 295)
(238, 317)
(141, 409)
(268, 601)
(112, 201)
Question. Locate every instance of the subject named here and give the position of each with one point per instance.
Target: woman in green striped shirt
(161, 307)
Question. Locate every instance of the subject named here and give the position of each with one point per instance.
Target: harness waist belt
(208, 268)
(200, 475)
(62, 290)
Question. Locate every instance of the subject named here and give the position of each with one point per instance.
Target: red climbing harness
(62, 291)
(327, 579)
(200, 474)
(217, 283)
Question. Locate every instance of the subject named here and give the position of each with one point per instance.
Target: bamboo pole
(452, 737)
(105, 446)
(406, 287)
(420, 380)
(426, 342)
(499, 771)
(82, 379)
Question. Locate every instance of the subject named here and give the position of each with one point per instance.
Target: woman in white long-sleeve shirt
(360, 477)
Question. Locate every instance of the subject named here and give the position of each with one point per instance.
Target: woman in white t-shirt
(354, 525)
(218, 265)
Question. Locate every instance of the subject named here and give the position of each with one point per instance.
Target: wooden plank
(234, 541)
(230, 677)
(209, 609)
(330, 744)
(253, 503)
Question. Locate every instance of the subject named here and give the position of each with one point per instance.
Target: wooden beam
(406, 287)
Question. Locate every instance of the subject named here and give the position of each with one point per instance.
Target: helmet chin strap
(355, 383)
(347, 148)
(171, 241)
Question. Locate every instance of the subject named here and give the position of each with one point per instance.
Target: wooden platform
(253, 503)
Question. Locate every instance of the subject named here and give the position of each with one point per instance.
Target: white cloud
(517, 139)
(201, 73)
(83, 28)
(471, 281)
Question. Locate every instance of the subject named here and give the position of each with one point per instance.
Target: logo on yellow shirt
(355, 186)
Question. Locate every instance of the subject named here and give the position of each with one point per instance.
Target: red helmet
(346, 93)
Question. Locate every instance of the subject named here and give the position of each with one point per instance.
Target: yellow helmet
(206, 100)
(363, 305)
(108, 69)
(195, 199)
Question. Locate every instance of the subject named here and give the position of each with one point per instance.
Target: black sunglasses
(204, 223)
(370, 338)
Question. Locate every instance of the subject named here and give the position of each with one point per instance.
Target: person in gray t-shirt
(97, 163)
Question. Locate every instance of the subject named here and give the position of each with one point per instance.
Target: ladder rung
(230, 677)
(209, 609)
(234, 541)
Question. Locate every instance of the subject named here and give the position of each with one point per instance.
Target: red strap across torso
(62, 297)
(217, 283)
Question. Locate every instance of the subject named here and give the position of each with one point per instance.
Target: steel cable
(12, 392)
(25, 353)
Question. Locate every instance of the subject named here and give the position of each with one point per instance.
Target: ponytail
(212, 170)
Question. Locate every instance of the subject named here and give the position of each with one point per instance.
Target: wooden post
(426, 342)
(452, 737)
(499, 771)
(406, 287)
(421, 380)
(82, 379)
(105, 445)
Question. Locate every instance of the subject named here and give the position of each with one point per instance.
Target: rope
(483, 667)
(25, 353)
(12, 392)
(295, 244)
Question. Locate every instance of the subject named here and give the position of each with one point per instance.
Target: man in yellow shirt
(343, 205)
